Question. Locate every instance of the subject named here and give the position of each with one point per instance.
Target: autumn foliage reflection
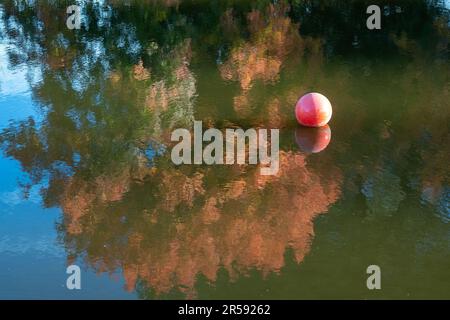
(110, 99)
(174, 226)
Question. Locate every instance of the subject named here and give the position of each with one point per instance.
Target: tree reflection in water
(112, 93)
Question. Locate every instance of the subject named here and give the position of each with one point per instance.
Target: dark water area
(86, 118)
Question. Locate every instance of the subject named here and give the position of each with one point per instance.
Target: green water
(86, 122)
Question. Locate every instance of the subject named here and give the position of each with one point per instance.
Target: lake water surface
(87, 178)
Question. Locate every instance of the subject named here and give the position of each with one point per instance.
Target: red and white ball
(313, 110)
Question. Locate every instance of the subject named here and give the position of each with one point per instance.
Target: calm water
(87, 179)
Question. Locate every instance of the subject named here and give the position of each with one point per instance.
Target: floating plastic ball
(313, 110)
